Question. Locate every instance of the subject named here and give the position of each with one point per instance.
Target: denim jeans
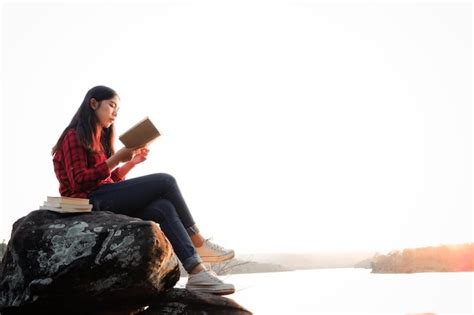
(154, 197)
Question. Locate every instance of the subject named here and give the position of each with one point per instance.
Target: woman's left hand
(139, 155)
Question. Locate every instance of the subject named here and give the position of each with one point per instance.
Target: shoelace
(214, 246)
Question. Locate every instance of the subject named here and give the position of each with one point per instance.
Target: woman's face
(106, 110)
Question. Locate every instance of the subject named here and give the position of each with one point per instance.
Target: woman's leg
(144, 190)
(157, 197)
(163, 212)
(131, 196)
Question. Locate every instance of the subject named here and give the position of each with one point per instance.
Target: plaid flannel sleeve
(115, 175)
(81, 177)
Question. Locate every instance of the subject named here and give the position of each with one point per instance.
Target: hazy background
(291, 126)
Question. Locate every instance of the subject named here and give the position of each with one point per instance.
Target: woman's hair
(85, 122)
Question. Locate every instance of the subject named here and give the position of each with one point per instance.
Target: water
(353, 291)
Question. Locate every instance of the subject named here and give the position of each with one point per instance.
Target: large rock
(181, 301)
(84, 263)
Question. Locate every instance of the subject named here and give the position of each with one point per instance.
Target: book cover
(140, 134)
(64, 210)
(67, 206)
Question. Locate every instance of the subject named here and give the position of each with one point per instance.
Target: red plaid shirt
(79, 171)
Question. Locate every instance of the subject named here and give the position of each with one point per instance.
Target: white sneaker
(213, 253)
(207, 282)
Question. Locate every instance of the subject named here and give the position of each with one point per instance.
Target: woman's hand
(132, 156)
(139, 155)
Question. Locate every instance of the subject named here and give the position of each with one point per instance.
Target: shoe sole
(216, 259)
(213, 291)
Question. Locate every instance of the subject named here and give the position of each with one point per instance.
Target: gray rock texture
(84, 263)
(181, 301)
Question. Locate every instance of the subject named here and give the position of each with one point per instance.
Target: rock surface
(181, 301)
(84, 263)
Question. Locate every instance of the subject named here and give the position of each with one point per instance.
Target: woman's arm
(80, 176)
(139, 156)
(122, 155)
(119, 173)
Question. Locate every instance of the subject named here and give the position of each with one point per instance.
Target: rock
(182, 301)
(84, 263)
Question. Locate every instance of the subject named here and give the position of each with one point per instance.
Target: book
(66, 204)
(67, 200)
(140, 134)
(65, 210)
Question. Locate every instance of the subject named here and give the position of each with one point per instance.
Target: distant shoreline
(446, 258)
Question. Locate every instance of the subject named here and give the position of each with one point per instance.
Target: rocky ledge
(95, 263)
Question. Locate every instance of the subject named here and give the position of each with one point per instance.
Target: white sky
(290, 125)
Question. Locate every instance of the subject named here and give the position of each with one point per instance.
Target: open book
(140, 134)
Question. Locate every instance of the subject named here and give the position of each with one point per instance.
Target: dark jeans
(154, 197)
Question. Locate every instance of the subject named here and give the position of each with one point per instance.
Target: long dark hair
(85, 122)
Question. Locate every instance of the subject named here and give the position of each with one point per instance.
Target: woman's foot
(213, 253)
(207, 282)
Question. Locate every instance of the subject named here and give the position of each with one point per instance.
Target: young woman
(87, 166)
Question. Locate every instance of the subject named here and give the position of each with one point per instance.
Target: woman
(87, 166)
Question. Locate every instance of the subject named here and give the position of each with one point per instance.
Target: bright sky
(290, 126)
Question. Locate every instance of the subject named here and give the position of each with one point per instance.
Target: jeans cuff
(192, 230)
(191, 262)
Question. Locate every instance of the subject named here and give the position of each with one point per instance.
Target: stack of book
(66, 204)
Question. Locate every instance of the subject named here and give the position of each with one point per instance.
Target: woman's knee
(163, 177)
